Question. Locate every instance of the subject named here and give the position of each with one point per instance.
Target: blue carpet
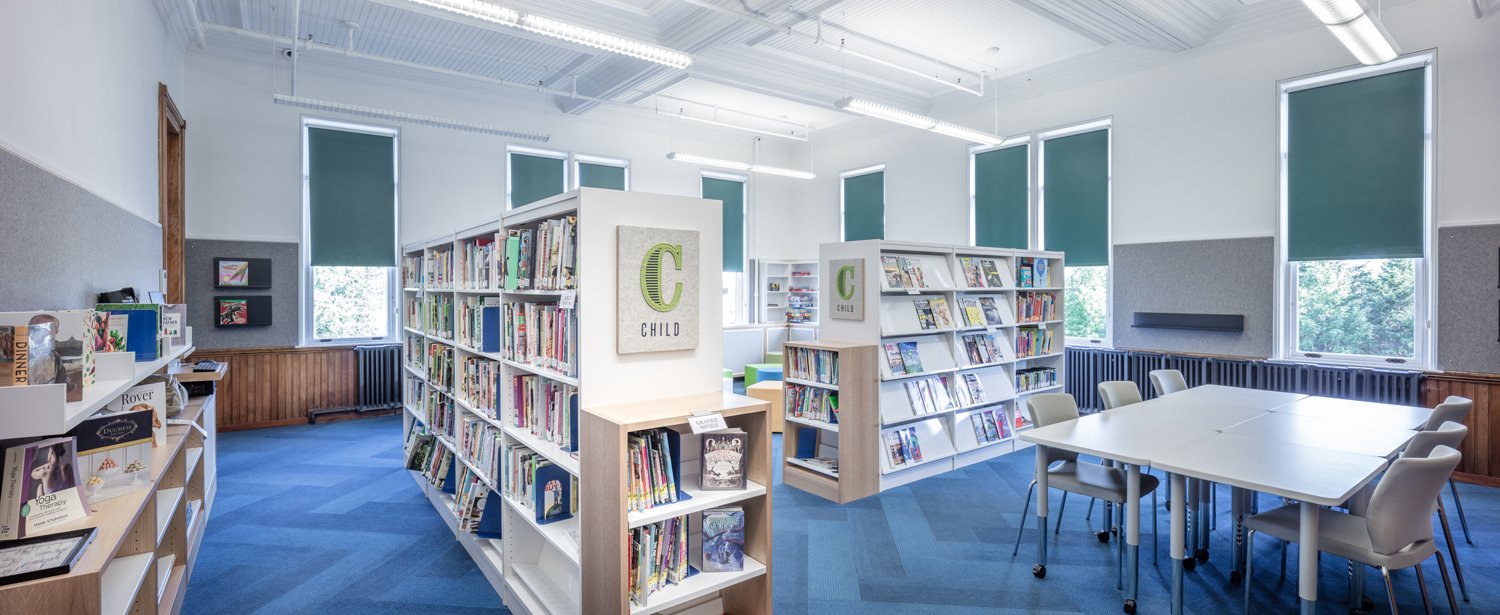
(321, 519)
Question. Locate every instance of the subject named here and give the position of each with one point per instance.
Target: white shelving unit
(984, 279)
(785, 287)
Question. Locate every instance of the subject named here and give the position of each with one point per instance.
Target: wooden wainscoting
(270, 387)
(1481, 449)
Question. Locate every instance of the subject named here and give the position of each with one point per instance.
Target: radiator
(379, 376)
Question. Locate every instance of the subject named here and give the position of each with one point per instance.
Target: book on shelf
(114, 451)
(173, 325)
(911, 357)
(137, 326)
(480, 443)
(477, 255)
(932, 313)
(40, 487)
(991, 311)
(658, 557)
(543, 258)
(981, 348)
(440, 365)
(439, 268)
(546, 409)
(973, 315)
(542, 335)
(27, 357)
(972, 277)
(723, 460)
(893, 358)
(799, 315)
(970, 390)
(991, 271)
(928, 395)
(151, 397)
(472, 507)
(1033, 341)
(826, 463)
(1035, 307)
(989, 426)
(1033, 273)
(724, 539)
(478, 384)
(440, 412)
(902, 446)
(438, 315)
(654, 469)
(411, 271)
(479, 323)
(902, 272)
(813, 364)
(1035, 378)
(811, 403)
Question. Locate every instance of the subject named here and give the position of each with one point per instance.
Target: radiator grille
(1087, 367)
(379, 376)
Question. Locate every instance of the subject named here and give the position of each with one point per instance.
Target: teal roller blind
(732, 194)
(601, 176)
(1001, 203)
(533, 178)
(864, 206)
(1354, 168)
(351, 198)
(1075, 197)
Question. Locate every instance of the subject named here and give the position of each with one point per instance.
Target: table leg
(1200, 521)
(1307, 559)
(1178, 540)
(1237, 501)
(1132, 535)
(1357, 506)
(1040, 569)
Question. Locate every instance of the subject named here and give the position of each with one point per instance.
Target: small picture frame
(242, 272)
(36, 557)
(242, 311)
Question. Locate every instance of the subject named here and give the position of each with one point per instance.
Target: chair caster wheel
(1202, 555)
(1130, 606)
(1189, 564)
(1234, 577)
(1039, 571)
(1366, 604)
(1103, 536)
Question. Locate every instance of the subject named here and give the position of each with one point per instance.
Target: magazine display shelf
(146, 541)
(945, 436)
(852, 441)
(541, 569)
(41, 410)
(606, 521)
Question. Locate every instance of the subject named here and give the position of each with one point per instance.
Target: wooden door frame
(171, 194)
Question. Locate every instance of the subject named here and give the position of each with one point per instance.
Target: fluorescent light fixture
(916, 120)
(1353, 26)
(735, 165)
(492, 13)
(405, 118)
(771, 133)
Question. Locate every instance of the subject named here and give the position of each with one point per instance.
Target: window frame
(305, 306)
(1039, 235)
(568, 174)
(1286, 325)
(574, 168)
(1031, 185)
(742, 309)
(845, 175)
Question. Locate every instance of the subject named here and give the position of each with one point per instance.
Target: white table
(1236, 396)
(1362, 413)
(1314, 476)
(1177, 409)
(1320, 432)
(1131, 440)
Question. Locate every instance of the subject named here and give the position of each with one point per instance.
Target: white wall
(244, 166)
(1194, 140)
(80, 81)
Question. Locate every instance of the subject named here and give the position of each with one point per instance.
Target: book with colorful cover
(893, 274)
(940, 312)
(894, 360)
(69, 353)
(141, 330)
(977, 419)
(991, 311)
(723, 467)
(1039, 273)
(151, 397)
(910, 357)
(40, 488)
(992, 277)
(975, 387)
(973, 315)
(925, 316)
(724, 539)
(26, 356)
(114, 453)
(971, 272)
(990, 430)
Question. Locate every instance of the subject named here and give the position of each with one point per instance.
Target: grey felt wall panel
(283, 292)
(1218, 276)
(1468, 337)
(63, 244)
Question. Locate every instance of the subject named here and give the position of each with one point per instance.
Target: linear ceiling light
(793, 135)
(735, 165)
(916, 120)
(406, 118)
(1353, 26)
(484, 11)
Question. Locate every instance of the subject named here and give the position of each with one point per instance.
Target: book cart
(1008, 346)
(462, 386)
(146, 542)
(818, 376)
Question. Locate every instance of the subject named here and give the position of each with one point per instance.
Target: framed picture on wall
(242, 272)
(242, 311)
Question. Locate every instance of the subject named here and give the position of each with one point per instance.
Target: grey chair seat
(1339, 534)
(1096, 481)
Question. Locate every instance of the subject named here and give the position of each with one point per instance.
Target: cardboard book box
(114, 453)
(73, 334)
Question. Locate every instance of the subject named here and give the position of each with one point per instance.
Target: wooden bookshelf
(852, 441)
(946, 436)
(146, 545)
(606, 521)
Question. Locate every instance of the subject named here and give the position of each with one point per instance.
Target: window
(534, 174)
(1356, 195)
(730, 190)
(600, 172)
(1000, 195)
(862, 199)
(1075, 188)
(349, 198)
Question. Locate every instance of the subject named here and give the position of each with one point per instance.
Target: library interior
(712, 307)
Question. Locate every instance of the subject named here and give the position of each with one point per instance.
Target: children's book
(991, 310)
(893, 358)
(973, 315)
(910, 357)
(992, 277)
(724, 539)
(893, 274)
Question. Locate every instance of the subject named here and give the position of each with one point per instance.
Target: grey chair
(1449, 434)
(1065, 473)
(1395, 533)
(1114, 394)
(1453, 409)
(1167, 381)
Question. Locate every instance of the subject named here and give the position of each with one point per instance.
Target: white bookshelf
(539, 568)
(946, 437)
(783, 285)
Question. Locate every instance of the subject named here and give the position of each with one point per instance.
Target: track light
(1353, 26)
(484, 11)
(734, 165)
(916, 120)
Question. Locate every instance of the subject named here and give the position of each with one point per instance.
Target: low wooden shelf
(855, 438)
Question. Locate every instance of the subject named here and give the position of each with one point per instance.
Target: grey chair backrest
(1400, 511)
(1049, 409)
(1449, 434)
(1167, 381)
(1454, 409)
(1117, 393)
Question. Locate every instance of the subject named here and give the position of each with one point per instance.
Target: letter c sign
(651, 269)
(845, 285)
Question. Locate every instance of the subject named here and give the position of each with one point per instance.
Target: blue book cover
(807, 443)
(553, 494)
(572, 423)
(489, 329)
(143, 325)
(724, 539)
